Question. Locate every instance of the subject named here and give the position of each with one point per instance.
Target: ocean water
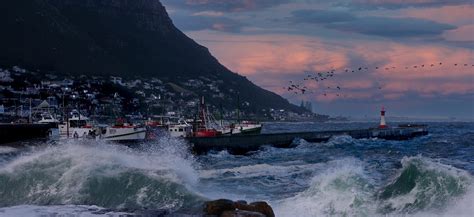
(427, 176)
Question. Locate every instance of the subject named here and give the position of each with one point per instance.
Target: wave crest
(422, 187)
(423, 184)
(342, 190)
(106, 175)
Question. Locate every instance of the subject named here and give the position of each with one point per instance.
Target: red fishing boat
(204, 128)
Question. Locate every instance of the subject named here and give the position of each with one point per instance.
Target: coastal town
(37, 104)
(24, 93)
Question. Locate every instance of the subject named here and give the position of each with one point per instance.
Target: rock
(228, 208)
(241, 201)
(217, 207)
(264, 208)
(241, 213)
(244, 206)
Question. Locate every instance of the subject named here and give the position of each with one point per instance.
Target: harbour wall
(241, 144)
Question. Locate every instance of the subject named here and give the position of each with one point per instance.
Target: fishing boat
(205, 127)
(47, 118)
(80, 127)
(244, 127)
(180, 129)
(123, 132)
(160, 121)
(77, 126)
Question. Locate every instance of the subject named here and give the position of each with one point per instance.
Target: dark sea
(431, 175)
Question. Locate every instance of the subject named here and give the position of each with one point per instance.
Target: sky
(399, 44)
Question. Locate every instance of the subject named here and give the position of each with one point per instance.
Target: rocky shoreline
(215, 208)
(229, 208)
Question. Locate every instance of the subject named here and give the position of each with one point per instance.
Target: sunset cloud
(393, 27)
(320, 16)
(225, 5)
(464, 33)
(276, 59)
(454, 15)
(404, 3)
(207, 21)
(274, 42)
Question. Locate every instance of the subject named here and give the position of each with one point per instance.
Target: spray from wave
(156, 176)
(424, 185)
(342, 189)
(421, 187)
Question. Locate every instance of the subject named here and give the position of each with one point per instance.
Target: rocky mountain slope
(128, 38)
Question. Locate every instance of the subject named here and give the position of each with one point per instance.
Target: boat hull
(124, 134)
(74, 132)
(206, 133)
(244, 130)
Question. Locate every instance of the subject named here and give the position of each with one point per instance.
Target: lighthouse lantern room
(383, 124)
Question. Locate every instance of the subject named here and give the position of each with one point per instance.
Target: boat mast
(238, 109)
(202, 114)
(222, 115)
(29, 116)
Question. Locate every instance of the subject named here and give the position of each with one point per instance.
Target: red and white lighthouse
(382, 118)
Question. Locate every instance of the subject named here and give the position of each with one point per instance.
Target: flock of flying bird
(301, 88)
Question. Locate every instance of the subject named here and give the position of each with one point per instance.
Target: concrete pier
(241, 144)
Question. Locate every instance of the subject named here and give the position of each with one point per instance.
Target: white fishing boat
(245, 127)
(180, 129)
(77, 127)
(47, 118)
(123, 132)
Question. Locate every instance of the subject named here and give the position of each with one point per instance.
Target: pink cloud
(402, 56)
(251, 55)
(209, 13)
(459, 15)
(455, 15)
(272, 60)
(464, 33)
(388, 3)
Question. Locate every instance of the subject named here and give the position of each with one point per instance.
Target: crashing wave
(158, 176)
(343, 189)
(422, 187)
(423, 184)
(340, 140)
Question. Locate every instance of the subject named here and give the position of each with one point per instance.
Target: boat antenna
(238, 108)
(221, 114)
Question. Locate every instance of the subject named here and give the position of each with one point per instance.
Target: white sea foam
(6, 150)
(339, 140)
(67, 173)
(56, 211)
(463, 207)
(257, 170)
(342, 190)
(336, 140)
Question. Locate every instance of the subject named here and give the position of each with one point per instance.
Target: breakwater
(240, 144)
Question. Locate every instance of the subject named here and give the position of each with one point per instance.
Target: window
(77, 123)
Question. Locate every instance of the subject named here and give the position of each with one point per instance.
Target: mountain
(127, 38)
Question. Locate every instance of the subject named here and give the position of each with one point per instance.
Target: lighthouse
(382, 118)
